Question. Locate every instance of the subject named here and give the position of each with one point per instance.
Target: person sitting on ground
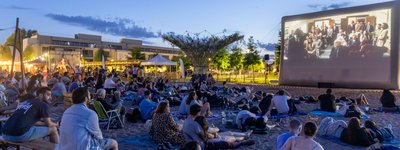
(192, 99)
(59, 88)
(147, 106)
(226, 140)
(265, 103)
(362, 100)
(101, 97)
(280, 101)
(355, 135)
(192, 131)
(294, 130)
(109, 82)
(331, 127)
(77, 83)
(163, 128)
(5, 107)
(387, 99)
(305, 141)
(31, 120)
(383, 134)
(327, 101)
(79, 127)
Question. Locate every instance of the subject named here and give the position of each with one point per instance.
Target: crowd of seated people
(154, 97)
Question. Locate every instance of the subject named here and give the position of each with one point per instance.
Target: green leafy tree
(278, 50)
(251, 58)
(29, 53)
(136, 54)
(221, 59)
(236, 59)
(6, 52)
(98, 55)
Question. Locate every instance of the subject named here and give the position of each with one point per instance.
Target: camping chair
(111, 116)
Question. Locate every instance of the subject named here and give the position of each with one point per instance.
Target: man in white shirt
(280, 101)
(109, 83)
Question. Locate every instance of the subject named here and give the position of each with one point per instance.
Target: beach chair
(111, 117)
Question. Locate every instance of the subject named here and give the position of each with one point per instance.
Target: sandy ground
(268, 141)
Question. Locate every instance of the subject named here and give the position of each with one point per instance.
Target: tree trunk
(252, 66)
(200, 69)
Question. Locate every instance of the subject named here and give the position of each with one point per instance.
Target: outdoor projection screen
(353, 47)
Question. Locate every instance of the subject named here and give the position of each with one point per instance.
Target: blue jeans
(35, 132)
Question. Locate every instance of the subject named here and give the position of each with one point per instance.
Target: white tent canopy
(159, 61)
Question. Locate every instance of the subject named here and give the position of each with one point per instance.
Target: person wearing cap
(147, 106)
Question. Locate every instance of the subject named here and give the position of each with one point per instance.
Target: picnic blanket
(332, 114)
(180, 116)
(380, 109)
(393, 142)
(287, 115)
(142, 140)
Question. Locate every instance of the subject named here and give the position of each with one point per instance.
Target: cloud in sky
(18, 7)
(118, 26)
(329, 7)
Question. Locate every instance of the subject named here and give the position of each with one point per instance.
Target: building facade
(84, 47)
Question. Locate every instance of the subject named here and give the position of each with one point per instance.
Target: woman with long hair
(355, 135)
(305, 141)
(163, 128)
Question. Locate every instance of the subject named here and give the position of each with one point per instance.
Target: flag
(182, 68)
(103, 62)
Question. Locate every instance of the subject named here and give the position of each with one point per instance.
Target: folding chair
(111, 116)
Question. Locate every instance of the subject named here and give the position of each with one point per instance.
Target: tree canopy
(251, 58)
(136, 54)
(200, 48)
(221, 59)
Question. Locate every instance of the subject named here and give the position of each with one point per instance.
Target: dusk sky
(145, 19)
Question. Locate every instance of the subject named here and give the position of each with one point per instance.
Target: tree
(221, 59)
(29, 53)
(278, 51)
(136, 54)
(251, 58)
(200, 48)
(185, 60)
(98, 55)
(236, 59)
(6, 52)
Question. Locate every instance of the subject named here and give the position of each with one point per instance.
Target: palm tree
(199, 49)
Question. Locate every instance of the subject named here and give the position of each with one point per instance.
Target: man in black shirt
(31, 120)
(327, 101)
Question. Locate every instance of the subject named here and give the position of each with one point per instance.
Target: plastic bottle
(389, 126)
(223, 117)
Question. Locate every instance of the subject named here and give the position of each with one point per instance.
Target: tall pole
(21, 55)
(14, 47)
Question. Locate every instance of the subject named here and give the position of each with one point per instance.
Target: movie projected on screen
(347, 37)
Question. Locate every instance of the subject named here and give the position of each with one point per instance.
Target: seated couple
(352, 133)
(195, 128)
(292, 140)
(328, 103)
